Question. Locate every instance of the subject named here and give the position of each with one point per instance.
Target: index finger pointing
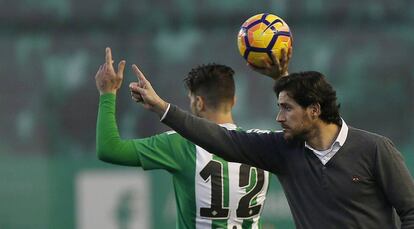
(138, 73)
(108, 56)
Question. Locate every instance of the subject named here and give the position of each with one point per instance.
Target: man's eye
(284, 107)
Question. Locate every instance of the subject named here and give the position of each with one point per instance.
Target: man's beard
(297, 136)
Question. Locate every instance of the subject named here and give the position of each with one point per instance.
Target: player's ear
(199, 103)
(234, 101)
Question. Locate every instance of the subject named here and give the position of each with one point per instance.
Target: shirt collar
(343, 133)
(340, 139)
(229, 126)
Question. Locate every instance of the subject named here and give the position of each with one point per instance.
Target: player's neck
(218, 117)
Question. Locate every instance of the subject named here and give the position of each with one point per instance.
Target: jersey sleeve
(164, 151)
(252, 148)
(109, 145)
(396, 181)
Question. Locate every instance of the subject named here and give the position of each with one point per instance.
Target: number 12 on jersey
(214, 171)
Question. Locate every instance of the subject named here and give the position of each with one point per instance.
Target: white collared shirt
(326, 155)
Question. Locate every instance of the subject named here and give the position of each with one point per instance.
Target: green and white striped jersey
(210, 192)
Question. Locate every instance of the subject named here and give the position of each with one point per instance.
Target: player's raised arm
(107, 80)
(109, 146)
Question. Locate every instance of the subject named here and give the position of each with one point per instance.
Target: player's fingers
(121, 67)
(133, 87)
(250, 65)
(104, 68)
(290, 52)
(101, 67)
(136, 97)
(267, 64)
(139, 74)
(137, 100)
(108, 56)
(108, 69)
(141, 91)
(133, 84)
(135, 94)
(275, 60)
(284, 57)
(273, 57)
(99, 71)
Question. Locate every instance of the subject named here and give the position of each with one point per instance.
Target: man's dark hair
(214, 82)
(308, 88)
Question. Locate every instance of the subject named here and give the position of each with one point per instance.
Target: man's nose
(280, 117)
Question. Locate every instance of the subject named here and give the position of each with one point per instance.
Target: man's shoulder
(364, 134)
(366, 138)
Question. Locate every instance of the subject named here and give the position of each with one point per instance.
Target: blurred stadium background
(50, 51)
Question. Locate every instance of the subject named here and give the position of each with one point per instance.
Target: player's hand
(142, 92)
(275, 68)
(107, 80)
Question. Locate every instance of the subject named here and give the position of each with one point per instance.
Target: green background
(51, 49)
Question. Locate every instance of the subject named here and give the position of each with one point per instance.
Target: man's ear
(200, 105)
(315, 110)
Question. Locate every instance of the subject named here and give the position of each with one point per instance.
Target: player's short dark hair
(308, 88)
(214, 82)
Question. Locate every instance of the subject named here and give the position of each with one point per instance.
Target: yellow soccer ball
(261, 35)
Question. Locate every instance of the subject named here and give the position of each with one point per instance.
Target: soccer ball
(261, 35)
